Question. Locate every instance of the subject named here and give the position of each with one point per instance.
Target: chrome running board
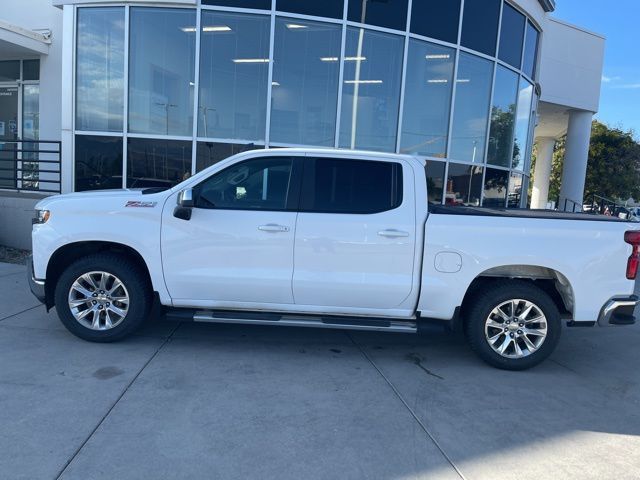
(290, 320)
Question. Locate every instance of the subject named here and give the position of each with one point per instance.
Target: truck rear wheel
(103, 297)
(512, 324)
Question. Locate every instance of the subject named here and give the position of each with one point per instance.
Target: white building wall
(39, 15)
(571, 65)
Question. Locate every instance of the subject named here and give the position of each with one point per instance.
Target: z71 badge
(134, 203)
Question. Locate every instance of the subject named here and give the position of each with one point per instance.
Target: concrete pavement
(230, 401)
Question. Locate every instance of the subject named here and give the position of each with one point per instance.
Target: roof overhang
(17, 42)
(548, 5)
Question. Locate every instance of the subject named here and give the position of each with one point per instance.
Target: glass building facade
(163, 92)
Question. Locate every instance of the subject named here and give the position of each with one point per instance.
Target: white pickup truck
(331, 239)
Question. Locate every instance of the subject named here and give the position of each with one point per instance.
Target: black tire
(134, 279)
(488, 297)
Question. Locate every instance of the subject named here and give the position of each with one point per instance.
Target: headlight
(41, 217)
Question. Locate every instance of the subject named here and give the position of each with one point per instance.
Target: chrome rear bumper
(618, 311)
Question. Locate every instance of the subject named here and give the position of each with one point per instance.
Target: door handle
(272, 227)
(392, 233)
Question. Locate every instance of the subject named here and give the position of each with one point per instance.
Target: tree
(613, 168)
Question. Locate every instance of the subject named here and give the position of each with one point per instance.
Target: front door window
(8, 135)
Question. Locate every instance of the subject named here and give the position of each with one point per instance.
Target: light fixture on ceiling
(346, 59)
(439, 56)
(437, 80)
(295, 26)
(208, 28)
(366, 82)
(250, 60)
(463, 80)
(275, 84)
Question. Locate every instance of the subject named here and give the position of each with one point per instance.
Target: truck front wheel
(103, 297)
(512, 324)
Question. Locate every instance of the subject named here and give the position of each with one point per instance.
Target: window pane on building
(234, 72)
(427, 99)
(435, 180)
(337, 186)
(530, 50)
(464, 185)
(9, 70)
(100, 69)
(471, 109)
(384, 13)
(480, 25)
(323, 8)
(371, 90)
(523, 121)
(98, 162)
(495, 188)
(31, 70)
(260, 4)
(515, 190)
(161, 70)
(210, 153)
(511, 36)
(503, 117)
(304, 96)
(436, 19)
(30, 115)
(157, 163)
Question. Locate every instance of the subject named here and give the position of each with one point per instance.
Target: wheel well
(550, 281)
(68, 254)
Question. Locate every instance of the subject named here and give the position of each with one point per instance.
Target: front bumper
(619, 311)
(36, 286)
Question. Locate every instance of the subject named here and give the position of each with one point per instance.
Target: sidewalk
(231, 401)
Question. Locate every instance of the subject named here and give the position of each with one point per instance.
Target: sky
(618, 21)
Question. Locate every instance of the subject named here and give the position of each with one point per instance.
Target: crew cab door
(237, 248)
(355, 235)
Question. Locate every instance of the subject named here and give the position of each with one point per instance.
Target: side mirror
(185, 198)
(184, 205)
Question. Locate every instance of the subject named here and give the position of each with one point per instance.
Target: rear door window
(332, 185)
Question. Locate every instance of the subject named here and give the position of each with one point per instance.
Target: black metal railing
(604, 206)
(31, 165)
(571, 206)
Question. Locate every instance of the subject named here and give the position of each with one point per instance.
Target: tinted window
(351, 186)
(157, 163)
(304, 96)
(261, 4)
(209, 153)
(9, 70)
(464, 185)
(495, 188)
(523, 121)
(322, 8)
(511, 36)
(471, 109)
(161, 70)
(100, 69)
(384, 13)
(435, 180)
(503, 116)
(436, 18)
(530, 51)
(480, 25)
(234, 71)
(427, 99)
(371, 90)
(515, 191)
(98, 162)
(31, 70)
(258, 184)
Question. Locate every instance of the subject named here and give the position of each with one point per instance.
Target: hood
(132, 193)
